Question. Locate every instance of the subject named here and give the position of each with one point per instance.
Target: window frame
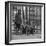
(7, 32)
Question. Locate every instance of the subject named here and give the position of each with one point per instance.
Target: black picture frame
(7, 22)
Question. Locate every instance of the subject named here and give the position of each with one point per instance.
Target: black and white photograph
(24, 22)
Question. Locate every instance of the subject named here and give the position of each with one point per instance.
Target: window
(26, 16)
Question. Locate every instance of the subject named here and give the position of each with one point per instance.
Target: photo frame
(24, 22)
